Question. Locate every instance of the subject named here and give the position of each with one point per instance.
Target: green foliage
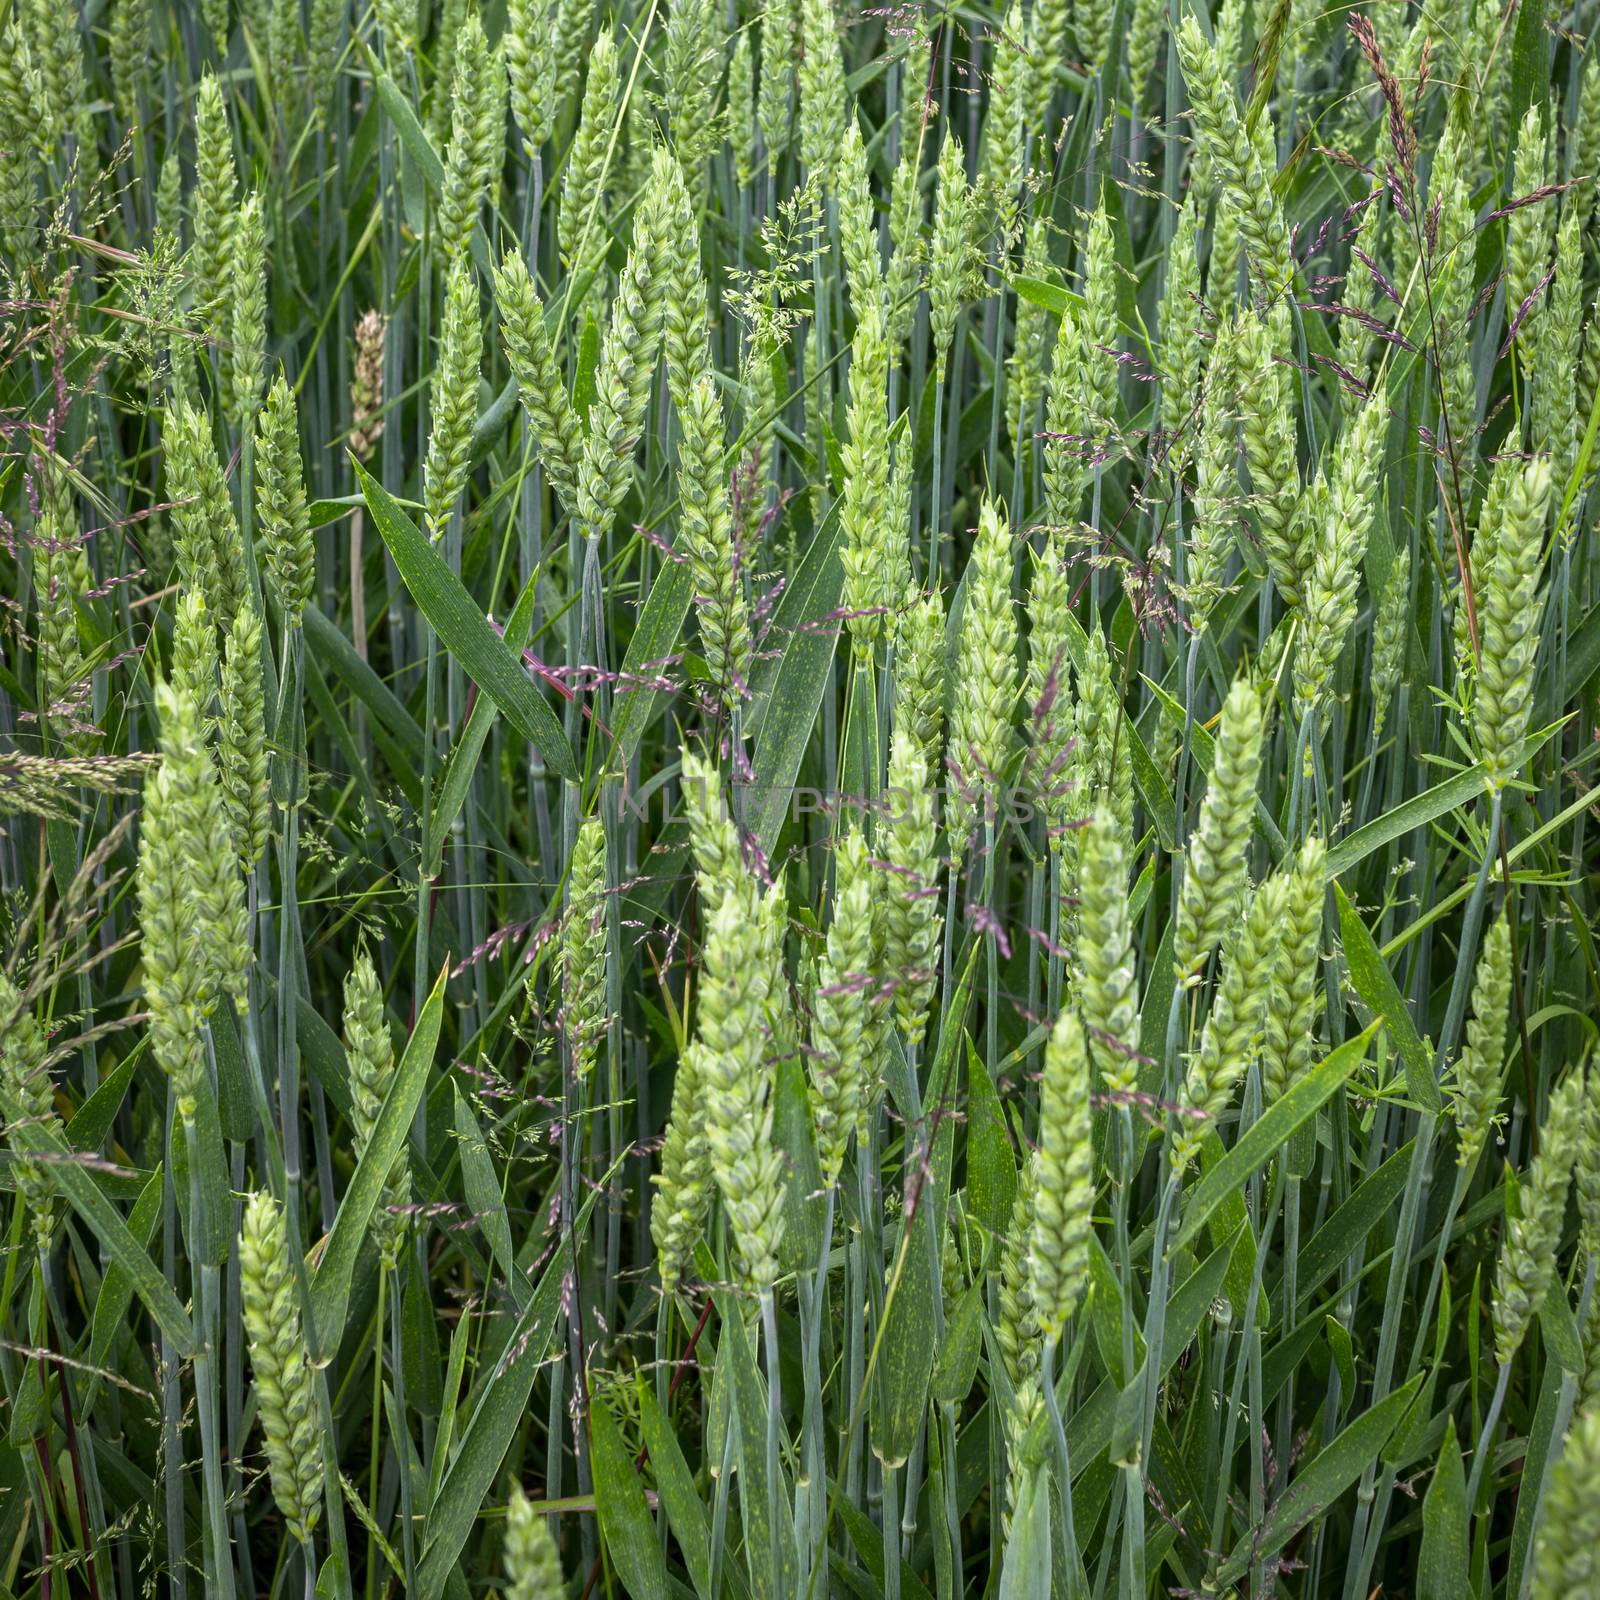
(797, 801)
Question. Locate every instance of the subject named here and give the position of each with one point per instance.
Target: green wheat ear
(869, 556)
(1004, 164)
(584, 997)
(1237, 159)
(683, 1186)
(1061, 1225)
(1291, 1010)
(288, 552)
(453, 400)
(214, 208)
(369, 1050)
(841, 1010)
(245, 371)
(191, 900)
(706, 535)
(951, 262)
(532, 359)
(243, 739)
(743, 134)
(734, 1042)
(1527, 1265)
(208, 545)
(1569, 1525)
(987, 684)
(919, 677)
(1231, 1039)
(477, 137)
(195, 662)
(1108, 985)
(582, 198)
(780, 29)
(1480, 1067)
(533, 1565)
(627, 356)
(823, 99)
(1264, 394)
(1510, 608)
(531, 68)
(1216, 874)
(911, 918)
(25, 1078)
(285, 1391)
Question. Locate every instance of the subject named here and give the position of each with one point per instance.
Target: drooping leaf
(484, 656)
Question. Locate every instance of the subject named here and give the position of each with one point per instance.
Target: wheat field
(795, 799)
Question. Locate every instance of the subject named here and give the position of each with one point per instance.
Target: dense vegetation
(796, 801)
